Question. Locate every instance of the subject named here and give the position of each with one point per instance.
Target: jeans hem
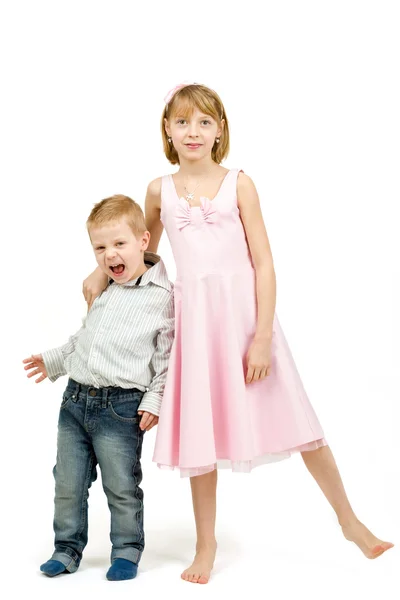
(70, 564)
(129, 554)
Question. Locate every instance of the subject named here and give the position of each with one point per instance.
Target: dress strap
(232, 183)
(168, 195)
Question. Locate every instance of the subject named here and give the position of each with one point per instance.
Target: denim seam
(137, 460)
(85, 496)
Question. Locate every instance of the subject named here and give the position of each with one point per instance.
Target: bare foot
(200, 570)
(369, 544)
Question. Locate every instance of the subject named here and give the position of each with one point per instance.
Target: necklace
(190, 195)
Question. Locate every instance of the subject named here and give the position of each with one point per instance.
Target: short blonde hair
(115, 208)
(184, 101)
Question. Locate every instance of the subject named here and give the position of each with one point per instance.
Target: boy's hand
(35, 362)
(147, 421)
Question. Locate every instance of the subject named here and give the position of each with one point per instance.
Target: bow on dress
(183, 215)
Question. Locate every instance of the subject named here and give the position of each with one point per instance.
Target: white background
(311, 89)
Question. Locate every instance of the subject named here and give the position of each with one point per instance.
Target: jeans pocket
(125, 410)
(67, 396)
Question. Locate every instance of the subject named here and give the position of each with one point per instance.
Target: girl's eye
(120, 243)
(206, 122)
(181, 121)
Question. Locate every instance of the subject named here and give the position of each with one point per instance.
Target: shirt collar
(156, 273)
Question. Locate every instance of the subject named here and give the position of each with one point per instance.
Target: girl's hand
(258, 360)
(147, 421)
(94, 285)
(35, 362)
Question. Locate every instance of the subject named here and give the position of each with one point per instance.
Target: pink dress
(209, 416)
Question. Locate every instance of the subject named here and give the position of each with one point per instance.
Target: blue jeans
(98, 426)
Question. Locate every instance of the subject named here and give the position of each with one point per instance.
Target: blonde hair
(184, 101)
(115, 208)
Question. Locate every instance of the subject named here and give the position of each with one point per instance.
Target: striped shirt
(126, 338)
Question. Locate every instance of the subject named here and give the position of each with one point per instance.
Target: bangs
(185, 102)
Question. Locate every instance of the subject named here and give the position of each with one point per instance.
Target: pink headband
(178, 87)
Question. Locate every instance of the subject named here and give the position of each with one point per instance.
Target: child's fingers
(41, 378)
(33, 373)
(257, 374)
(30, 366)
(250, 374)
(144, 420)
(154, 421)
(264, 372)
(29, 362)
(148, 423)
(32, 361)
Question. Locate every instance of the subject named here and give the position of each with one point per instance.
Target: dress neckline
(198, 205)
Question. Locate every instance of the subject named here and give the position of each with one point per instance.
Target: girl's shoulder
(153, 195)
(244, 181)
(159, 187)
(154, 187)
(245, 185)
(247, 195)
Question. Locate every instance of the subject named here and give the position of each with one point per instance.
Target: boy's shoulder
(156, 272)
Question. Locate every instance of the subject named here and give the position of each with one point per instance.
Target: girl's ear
(167, 128)
(221, 128)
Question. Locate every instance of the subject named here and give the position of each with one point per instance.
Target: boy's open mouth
(117, 269)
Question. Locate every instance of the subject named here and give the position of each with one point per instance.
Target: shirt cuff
(151, 402)
(54, 363)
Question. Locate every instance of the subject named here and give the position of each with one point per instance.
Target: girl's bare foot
(370, 545)
(200, 570)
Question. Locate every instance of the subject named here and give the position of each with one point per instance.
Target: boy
(117, 363)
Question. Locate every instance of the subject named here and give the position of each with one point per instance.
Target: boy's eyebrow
(120, 238)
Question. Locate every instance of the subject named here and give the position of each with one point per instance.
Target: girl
(233, 395)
